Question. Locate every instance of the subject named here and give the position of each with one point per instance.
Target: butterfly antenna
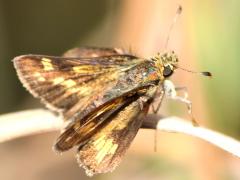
(179, 11)
(204, 73)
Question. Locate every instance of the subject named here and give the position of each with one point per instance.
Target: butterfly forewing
(62, 83)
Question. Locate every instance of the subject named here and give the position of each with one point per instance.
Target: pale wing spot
(108, 145)
(119, 50)
(69, 83)
(98, 144)
(58, 80)
(37, 74)
(113, 149)
(94, 55)
(81, 69)
(100, 156)
(47, 65)
(46, 60)
(68, 138)
(85, 91)
(41, 79)
(85, 69)
(104, 147)
(73, 90)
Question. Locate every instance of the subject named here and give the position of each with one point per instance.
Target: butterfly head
(167, 63)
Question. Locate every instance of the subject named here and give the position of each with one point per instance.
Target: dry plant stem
(29, 122)
(177, 125)
(25, 123)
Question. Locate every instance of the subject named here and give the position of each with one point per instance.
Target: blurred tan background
(206, 37)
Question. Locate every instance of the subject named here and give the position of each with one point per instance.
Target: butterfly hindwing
(104, 150)
(78, 132)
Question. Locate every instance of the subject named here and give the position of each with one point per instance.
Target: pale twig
(25, 123)
(175, 124)
(29, 122)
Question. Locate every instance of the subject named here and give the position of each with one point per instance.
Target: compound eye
(167, 71)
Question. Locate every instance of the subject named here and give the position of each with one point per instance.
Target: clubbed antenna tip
(207, 74)
(179, 10)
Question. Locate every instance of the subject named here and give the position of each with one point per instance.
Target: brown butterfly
(103, 94)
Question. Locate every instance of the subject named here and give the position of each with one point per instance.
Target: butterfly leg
(170, 92)
(159, 95)
(153, 123)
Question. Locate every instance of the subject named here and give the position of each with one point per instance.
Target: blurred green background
(207, 34)
(217, 48)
